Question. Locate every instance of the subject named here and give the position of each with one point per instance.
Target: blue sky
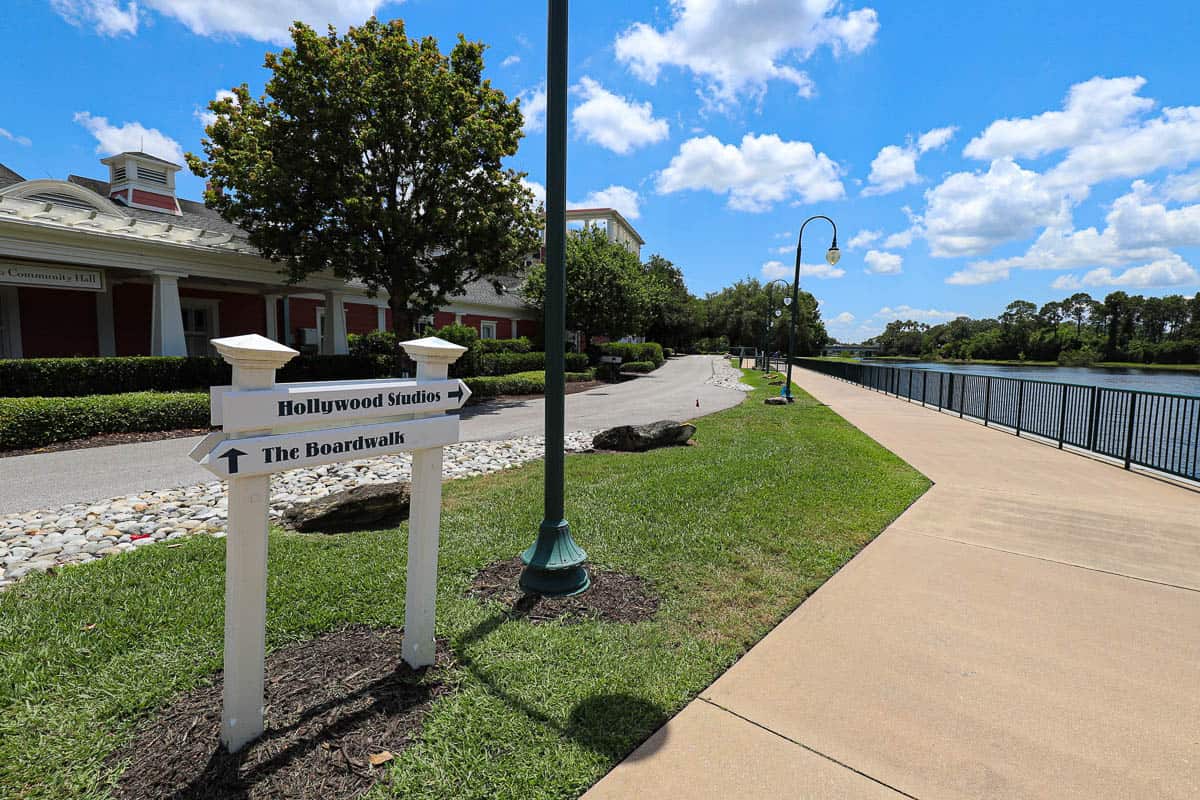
(971, 153)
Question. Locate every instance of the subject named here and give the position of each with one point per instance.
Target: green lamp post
(831, 257)
(554, 563)
(771, 310)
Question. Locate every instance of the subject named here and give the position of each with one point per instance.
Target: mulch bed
(336, 707)
(106, 439)
(612, 597)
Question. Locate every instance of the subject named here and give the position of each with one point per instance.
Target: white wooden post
(255, 359)
(434, 357)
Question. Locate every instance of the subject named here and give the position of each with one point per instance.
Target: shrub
(468, 365)
(375, 343)
(668, 352)
(507, 363)
(521, 345)
(39, 421)
(533, 382)
(641, 367)
(631, 351)
(77, 377)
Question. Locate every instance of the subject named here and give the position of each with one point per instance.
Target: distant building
(124, 267)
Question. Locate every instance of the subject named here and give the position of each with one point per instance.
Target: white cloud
(538, 189)
(863, 239)
(762, 171)
(533, 106)
(207, 117)
(899, 241)
(24, 141)
(896, 165)
(1090, 108)
(130, 136)
(1171, 271)
(621, 198)
(734, 47)
(844, 318)
(105, 17)
(511, 61)
(822, 271)
(903, 312)
(1184, 188)
(969, 213)
(614, 122)
(881, 263)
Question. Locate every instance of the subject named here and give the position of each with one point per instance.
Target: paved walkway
(51, 480)
(1030, 628)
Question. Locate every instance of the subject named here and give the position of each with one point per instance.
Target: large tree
(606, 290)
(377, 157)
(671, 317)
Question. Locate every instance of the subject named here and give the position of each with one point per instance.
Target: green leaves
(376, 157)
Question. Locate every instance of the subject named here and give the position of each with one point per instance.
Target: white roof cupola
(140, 180)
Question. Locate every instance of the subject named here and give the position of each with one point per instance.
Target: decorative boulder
(360, 508)
(639, 438)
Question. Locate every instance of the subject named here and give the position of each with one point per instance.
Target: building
(125, 267)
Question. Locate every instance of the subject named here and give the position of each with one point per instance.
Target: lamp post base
(554, 563)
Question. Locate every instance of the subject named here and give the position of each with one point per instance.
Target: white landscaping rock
(726, 377)
(34, 541)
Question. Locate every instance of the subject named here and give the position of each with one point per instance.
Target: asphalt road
(51, 480)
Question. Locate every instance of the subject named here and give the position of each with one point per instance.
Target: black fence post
(1129, 429)
(987, 400)
(1062, 416)
(1093, 418)
(1020, 404)
(941, 378)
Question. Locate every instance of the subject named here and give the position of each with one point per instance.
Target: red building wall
(361, 318)
(57, 322)
(132, 312)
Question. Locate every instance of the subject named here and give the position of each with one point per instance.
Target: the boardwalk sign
(268, 427)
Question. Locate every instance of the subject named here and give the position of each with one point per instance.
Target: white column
(270, 306)
(106, 333)
(434, 357)
(254, 359)
(335, 342)
(514, 329)
(166, 327)
(10, 316)
(381, 318)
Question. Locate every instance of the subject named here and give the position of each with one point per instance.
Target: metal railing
(1146, 429)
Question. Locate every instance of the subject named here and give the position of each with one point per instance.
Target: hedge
(78, 377)
(631, 351)
(38, 421)
(508, 363)
(521, 345)
(533, 382)
(638, 366)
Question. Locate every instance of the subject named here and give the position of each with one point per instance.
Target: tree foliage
(1075, 330)
(744, 311)
(379, 158)
(606, 291)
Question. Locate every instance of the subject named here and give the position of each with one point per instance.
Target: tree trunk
(402, 320)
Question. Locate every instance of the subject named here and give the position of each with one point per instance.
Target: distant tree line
(610, 293)
(1076, 330)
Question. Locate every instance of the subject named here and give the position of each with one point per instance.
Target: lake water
(1146, 380)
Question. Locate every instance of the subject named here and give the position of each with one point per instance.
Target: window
(199, 324)
(487, 329)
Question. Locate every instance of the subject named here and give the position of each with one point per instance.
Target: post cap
(432, 350)
(254, 351)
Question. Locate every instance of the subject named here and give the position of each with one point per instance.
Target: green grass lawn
(734, 533)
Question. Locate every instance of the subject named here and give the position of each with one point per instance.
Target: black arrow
(457, 395)
(232, 454)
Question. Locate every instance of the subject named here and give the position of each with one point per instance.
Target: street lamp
(554, 563)
(832, 256)
(767, 324)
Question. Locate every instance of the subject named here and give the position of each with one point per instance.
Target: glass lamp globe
(833, 256)
(787, 301)
(779, 312)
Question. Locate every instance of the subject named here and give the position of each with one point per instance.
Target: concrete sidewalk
(1030, 628)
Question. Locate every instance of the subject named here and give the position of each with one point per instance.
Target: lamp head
(833, 255)
(787, 301)
(779, 312)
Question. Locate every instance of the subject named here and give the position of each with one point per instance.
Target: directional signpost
(286, 426)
